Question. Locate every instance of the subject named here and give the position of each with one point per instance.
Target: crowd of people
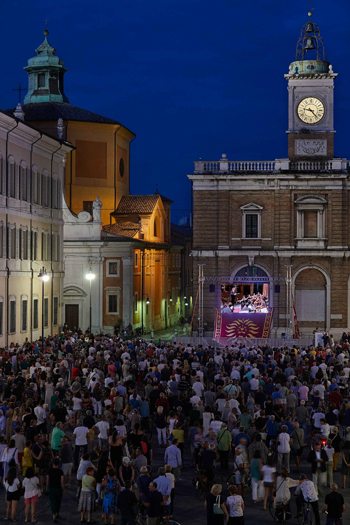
(245, 414)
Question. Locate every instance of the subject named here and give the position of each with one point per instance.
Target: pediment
(73, 291)
(251, 206)
(311, 199)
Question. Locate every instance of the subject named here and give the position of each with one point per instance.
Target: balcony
(224, 166)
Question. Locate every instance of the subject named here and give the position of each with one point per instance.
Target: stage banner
(243, 325)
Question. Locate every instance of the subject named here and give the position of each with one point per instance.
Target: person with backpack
(224, 439)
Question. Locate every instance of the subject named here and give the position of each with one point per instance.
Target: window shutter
(55, 310)
(16, 169)
(29, 255)
(17, 243)
(38, 181)
(12, 317)
(8, 242)
(49, 240)
(44, 247)
(1, 176)
(21, 243)
(4, 254)
(48, 201)
(9, 177)
(59, 194)
(28, 174)
(24, 315)
(1, 317)
(43, 190)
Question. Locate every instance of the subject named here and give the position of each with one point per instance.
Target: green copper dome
(45, 72)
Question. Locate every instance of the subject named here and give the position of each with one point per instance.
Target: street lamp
(166, 307)
(186, 302)
(44, 278)
(147, 302)
(91, 277)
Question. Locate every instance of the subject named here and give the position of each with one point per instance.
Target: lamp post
(44, 278)
(147, 302)
(166, 307)
(90, 276)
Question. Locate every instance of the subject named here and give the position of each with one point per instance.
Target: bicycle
(203, 485)
(305, 518)
(282, 513)
(141, 519)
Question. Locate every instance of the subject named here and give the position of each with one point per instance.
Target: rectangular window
(41, 80)
(136, 304)
(1, 317)
(13, 243)
(54, 247)
(136, 260)
(36, 314)
(55, 311)
(24, 315)
(46, 311)
(54, 193)
(35, 186)
(25, 245)
(23, 179)
(43, 246)
(112, 304)
(12, 179)
(43, 190)
(251, 226)
(12, 317)
(1, 177)
(35, 246)
(113, 268)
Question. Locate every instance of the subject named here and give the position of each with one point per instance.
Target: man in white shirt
(198, 387)
(40, 413)
(306, 491)
(283, 449)
(80, 434)
(103, 428)
(254, 384)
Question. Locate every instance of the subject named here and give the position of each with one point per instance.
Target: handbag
(217, 507)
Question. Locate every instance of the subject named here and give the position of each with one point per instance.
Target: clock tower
(310, 99)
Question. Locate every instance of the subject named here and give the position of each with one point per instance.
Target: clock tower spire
(311, 97)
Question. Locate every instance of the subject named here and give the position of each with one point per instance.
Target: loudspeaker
(277, 288)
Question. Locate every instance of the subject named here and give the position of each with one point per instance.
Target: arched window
(156, 231)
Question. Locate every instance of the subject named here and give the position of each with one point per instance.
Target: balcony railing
(270, 166)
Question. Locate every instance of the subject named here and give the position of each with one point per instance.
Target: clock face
(311, 110)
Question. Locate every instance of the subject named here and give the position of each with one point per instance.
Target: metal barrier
(248, 342)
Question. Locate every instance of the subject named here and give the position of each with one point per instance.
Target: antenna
(310, 8)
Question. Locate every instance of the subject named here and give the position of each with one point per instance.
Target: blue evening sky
(191, 78)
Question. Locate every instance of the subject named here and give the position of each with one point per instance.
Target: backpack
(144, 447)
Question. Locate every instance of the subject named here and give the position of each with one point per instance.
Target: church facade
(282, 222)
(124, 243)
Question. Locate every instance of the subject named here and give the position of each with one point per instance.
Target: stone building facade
(31, 230)
(257, 218)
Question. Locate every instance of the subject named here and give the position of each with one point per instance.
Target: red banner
(296, 324)
(243, 324)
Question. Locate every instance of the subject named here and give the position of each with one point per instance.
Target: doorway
(72, 315)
